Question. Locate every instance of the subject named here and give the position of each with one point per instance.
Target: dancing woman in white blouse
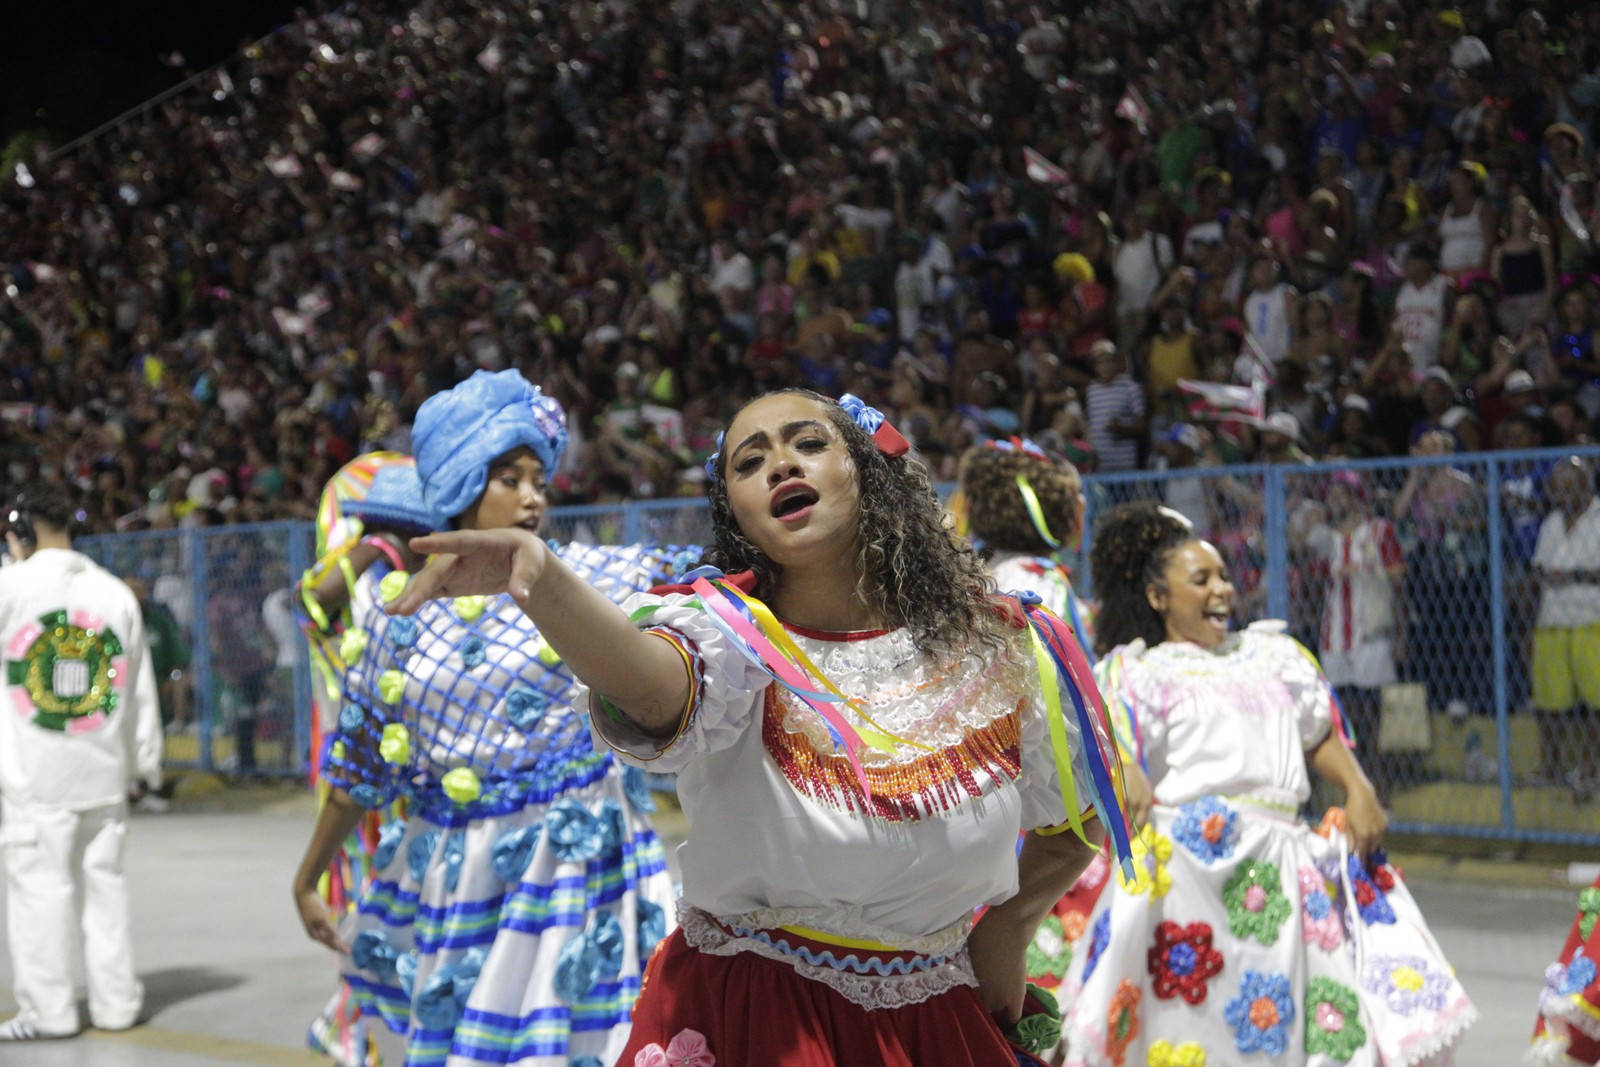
(824, 923)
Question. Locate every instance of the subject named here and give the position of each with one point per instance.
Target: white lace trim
(872, 992)
(913, 696)
(1548, 1050)
(848, 922)
(1563, 1007)
(1446, 1032)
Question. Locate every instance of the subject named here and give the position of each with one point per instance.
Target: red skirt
(759, 1012)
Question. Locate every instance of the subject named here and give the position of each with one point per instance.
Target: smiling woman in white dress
(1244, 937)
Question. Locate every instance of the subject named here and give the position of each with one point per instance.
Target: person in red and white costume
(82, 731)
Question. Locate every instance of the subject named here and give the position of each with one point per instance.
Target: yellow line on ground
(221, 1049)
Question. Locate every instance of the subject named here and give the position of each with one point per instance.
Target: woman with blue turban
(511, 911)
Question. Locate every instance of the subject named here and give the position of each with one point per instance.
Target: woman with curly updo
(854, 797)
(1024, 506)
(1233, 938)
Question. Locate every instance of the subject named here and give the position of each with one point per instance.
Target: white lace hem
(1446, 1033)
(869, 991)
(1565, 1007)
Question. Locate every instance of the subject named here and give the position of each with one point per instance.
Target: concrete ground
(231, 978)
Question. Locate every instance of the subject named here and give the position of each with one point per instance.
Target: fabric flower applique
(1589, 908)
(1208, 828)
(636, 787)
(1049, 953)
(1255, 901)
(1406, 983)
(1097, 944)
(1262, 1013)
(1319, 921)
(574, 832)
(1122, 1021)
(688, 1048)
(1371, 889)
(1182, 960)
(1151, 851)
(1578, 975)
(525, 706)
(1333, 1020)
(472, 651)
(1166, 1054)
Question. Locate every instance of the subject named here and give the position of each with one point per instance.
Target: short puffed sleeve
(725, 691)
(1044, 798)
(1309, 693)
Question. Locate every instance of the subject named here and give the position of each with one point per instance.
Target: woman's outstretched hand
(473, 563)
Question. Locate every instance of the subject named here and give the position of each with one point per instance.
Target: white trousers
(51, 858)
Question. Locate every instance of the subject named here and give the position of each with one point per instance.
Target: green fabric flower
(1049, 953)
(1256, 904)
(1333, 1020)
(1039, 1032)
(1589, 906)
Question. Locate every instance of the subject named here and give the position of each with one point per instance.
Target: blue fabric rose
(472, 651)
(1098, 940)
(420, 852)
(1580, 973)
(402, 631)
(444, 995)
(405, 971)
(368, 796)
(388, 844)
(574, 832)
(455, 847)
(1262, 1013)
(652, 926)
(637, 789)
(577, 968)
(371, 952)
(613, 830)
(351, 716)
(525, 705)
(608, 938)
(513, 851)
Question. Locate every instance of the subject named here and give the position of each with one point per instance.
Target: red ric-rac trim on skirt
(906, 791)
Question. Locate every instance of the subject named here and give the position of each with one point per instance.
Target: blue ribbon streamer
(1105, 794)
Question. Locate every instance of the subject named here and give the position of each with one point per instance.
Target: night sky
(68, 65)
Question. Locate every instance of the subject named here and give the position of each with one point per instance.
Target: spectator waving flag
(1042, 170)
(1216, 400)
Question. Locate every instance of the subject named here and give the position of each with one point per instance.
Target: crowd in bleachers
(990, 217)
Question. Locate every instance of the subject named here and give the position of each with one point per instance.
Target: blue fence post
(1276, 520)
(299, 562)
(194, 553)
(1497, 626)
(632, 525)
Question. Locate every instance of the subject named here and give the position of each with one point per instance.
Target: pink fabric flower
(689, 1049)
(652, 1055)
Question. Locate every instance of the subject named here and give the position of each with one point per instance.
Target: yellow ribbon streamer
(1050, 687)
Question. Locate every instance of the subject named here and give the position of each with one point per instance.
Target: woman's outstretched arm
(647, 679)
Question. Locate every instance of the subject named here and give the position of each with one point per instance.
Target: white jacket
(80, 721)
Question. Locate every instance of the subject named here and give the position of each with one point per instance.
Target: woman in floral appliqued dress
(1244, 937)
(510, 914)
(1568, 1030)
(854, 798)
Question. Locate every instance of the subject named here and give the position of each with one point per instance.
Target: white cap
(1357, 403)
(1519, 381)
(1282, 422)
(1455, 417)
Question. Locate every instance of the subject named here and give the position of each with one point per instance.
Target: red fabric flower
(1365, 894)
(1122, 1020)
(1182, 960)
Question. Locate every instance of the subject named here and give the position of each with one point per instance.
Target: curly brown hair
(915, 572)
(997, 515)
(1132, 545)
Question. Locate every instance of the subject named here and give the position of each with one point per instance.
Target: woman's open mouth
(793, 502)
(1221, 618)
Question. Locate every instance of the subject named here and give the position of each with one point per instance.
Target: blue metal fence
(1413, 578)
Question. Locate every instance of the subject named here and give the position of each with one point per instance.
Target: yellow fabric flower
(462, 785)
(395, 747)
(352, 644)
(1151, 851)
(393, 584)
(391, 684)
(1164, 1054)
(469, 608)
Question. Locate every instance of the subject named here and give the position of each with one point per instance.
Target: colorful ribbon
(1036, 512)
(754, 631)
(1072, 673)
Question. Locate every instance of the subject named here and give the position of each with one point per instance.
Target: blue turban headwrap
(458, 433)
